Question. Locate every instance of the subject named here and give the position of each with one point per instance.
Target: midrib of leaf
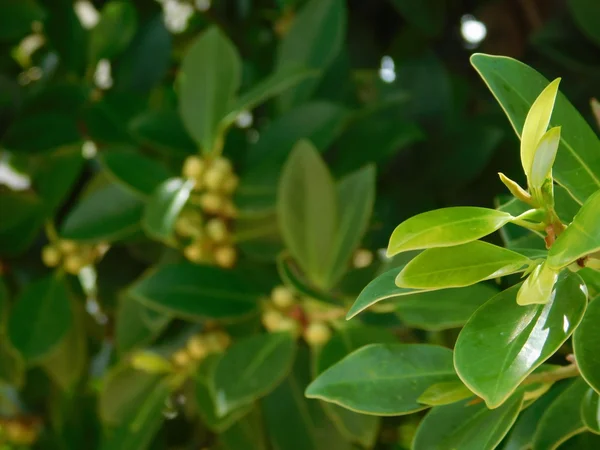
(505, 263)
(262, 355)
(562, 139)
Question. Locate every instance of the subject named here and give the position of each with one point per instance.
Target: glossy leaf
(459, 266)
(313, 41)
(250, 369)
(445, 393)
(114, 31)
(538, 287)
(306, 206)
(581, 237)
(516, 86)
(384, 379)
(41, 318)
(524, 337)
(585, 345)
(164, 206)
(195, 292)
(467, 426)
(536, 124)
(108, 214)
(208, 79)
(133, 170)
(541, 167)
(162, 131)
(562, 419)
(355, 199)
(445, 227)
(590, 411)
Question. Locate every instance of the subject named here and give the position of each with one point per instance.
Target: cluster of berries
(206, 220)
(200, 346)
(284, 312)
(72, 256)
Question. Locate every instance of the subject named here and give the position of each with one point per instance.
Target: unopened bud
(216, 230)
(196, 347)
(317, 333)
(73, 264)
(282, 297)
(50, 256)
(150, 362)
(181, 358)
(195, 252)
(66, 246)
(225, 257)
(211, 203)
(193, 167)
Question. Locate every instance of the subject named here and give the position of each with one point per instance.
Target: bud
(230, 184)
(50, 256)
(181, 358)
(73, 264)
(225, 257)
(211, 203)
(196, 347)
(193, 167)
(150, 362)
(194, 252)
(214, 178)
(362, 258)
(66, 246)
(282, 297)
(187, 225)
(317, 333)
(230, 210)
(288, 324)
(271, 319)
(217, 230)
(222, 165)
(217, 341)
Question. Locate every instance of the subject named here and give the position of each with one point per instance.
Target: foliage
(192, 232)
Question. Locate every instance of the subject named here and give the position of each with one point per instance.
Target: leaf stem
(561, 373)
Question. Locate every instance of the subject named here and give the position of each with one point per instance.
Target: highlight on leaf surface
(538, 288)
(543, 159)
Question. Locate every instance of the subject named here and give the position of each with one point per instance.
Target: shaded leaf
(585, 345)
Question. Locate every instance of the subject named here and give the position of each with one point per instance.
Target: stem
(529, 225)
(561, 373)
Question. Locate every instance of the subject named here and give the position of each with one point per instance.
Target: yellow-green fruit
(362, 258)
(211, 203)
(271, 319)
(50, 256)
(73, 264)
(187, 226)
(230, 184)
(317, 333)
(282, 297)
(194, 252)
(229, 209)
(217, 341)
(222, 165)
(214, 178)
(193, 167)
(196, 347)
(181, 358)
(225, 257)
(149, 362)
(216, 230)
(288, 324)
(67, 246)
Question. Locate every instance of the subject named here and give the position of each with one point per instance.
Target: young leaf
(113, 33)
(516, 86)
(562, 419)
(41, 318)
(306, 207)
(523, 338)
(384, 379)
(585, 340)
(208, 79)
(466, 426)
(314, 40)
(581, 237)
(196, 292)
(445, 393)
(250, 369)
(164, 206)
(445, 227)
(355, 199)
(590, 411)
(538, 287)
(543, 159)
(536, 124)
(462, 265)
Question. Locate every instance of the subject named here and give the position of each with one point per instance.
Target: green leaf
(384, 379)
(543, 159)
(581, 237)
(427, 15)
(538, 287)
(16, 17)
(19, 229)
(11, 362)
(442, 309)
(113, 33)
(136, 172)
(197, 292)
(108, 214)
(446, 227)
(516, 86)
(467, 426)
(585, 340)
(360, 428)
(523, 338)
(275, 84)
(355, 199)
(445, 393)
(586, 14)
(41, 318)
(459, 266)
(24, 134)
(162, 131)
(582, 441)
(245, 434)
(306, 206)
(314, 40)
(250, 369)
(208, 80)
(562, 419)
(291, 276)
(66, 35)
(590, 411)
(164, 206)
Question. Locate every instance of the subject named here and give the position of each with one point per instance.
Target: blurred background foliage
(395, 88)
